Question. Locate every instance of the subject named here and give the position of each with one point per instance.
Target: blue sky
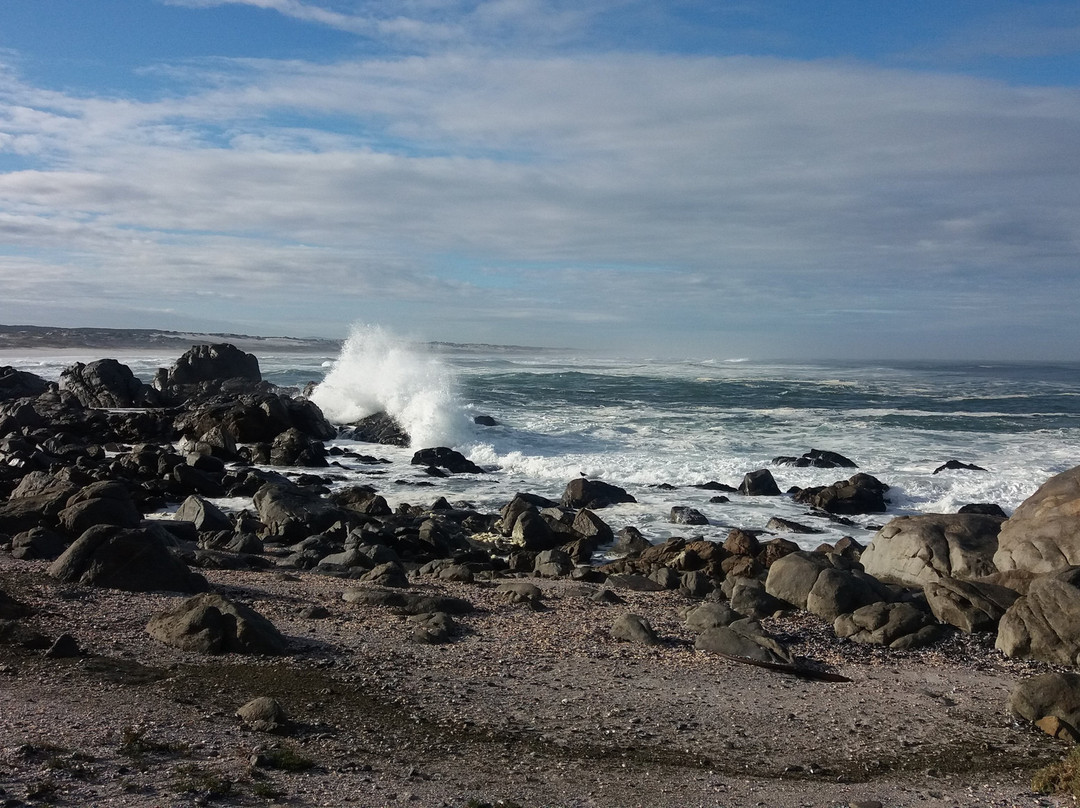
(854, 179)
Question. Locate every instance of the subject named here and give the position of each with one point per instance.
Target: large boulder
(1043, 534)
(379, 427)
(136, 560)
(204, 369)
(1044, 624)
(203, 514)
(107, 383)
(916, 550)
(744, 639)
(252, 418)
(444, 457)
(211, 624)
(293, 448)
(107, 502)
(291, 513)
(593, 494)
(759, 483)
(824, 584)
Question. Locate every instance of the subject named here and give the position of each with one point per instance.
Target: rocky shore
(317, 647)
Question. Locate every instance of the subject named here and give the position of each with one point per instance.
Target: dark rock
(293, 448)
(712, 485)
(787, 526)
(741, 542)
(263, 714)
(915, 550)
(208, 369)
(64, 647)
(211, 624)
(444, 457)
(433, 628)
(1043, 534)
(589, 526)
(666, 577)
(521, 592)
(985, 508)
(291, 513)
(684, 515)
(593, 494)
(20, 384)
(629, 540)
(748, 597)
(553, 564)
(203, 515)
(775, 549)
(101, 503)
(634, 628)
(759, 483)
(11, 609)
(378, 428)
(38, 542)
(107, 383)
(710, 615)
(695, 584)
(817, 458)
(136, 560)
(862, 493)
(406, 602)
(956, 465)
(485, 420)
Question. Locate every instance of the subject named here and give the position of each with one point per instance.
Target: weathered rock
(251, 418)
(20, 384)
(971, 606)
(916, 550)
(759, 483)
(956, 465)
(102, 503)
(1044, 624)
(710, 615)
(107, 383)
(292, 513)
(211, 624)
(634, 628)
(781, 525)
(553, 564)
(444, 457)
(589, 526)
(695, 584)
(593, 494)
(900, 626)
(861, 493)
(1043, 534)
(744, 639)
(293, 448)
(533, 532)
(263, 714)
(742, 542)
(136, 560)
(433, 628)
(1049, 695)
(521, 592)
(634, 583)
(748, 597)
(824, 584)
(208, 368)
(38, 542)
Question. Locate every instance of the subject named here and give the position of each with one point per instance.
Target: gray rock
(553, 564)
(748, 597)
(696, 584)
(916, 550)
(745, 639)
(1044, 624)
(759, 483)
(685, 515)
(432, 628)
(710, 615)
(263, 714)
(1043, 534)
(107, 383)
(521, 592)
(634, 628)
(136, 560)
(39, 542)
(900, 626)
(211, 624)
(1051, 701)
(593, 494)
(971, 606)
(205, 515)
(629, 540)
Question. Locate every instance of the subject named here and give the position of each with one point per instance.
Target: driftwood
(779, 667)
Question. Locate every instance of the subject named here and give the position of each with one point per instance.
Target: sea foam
(377, 372)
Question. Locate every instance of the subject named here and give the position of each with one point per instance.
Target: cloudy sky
(764, 178)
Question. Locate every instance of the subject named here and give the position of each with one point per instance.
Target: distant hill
(21, 337)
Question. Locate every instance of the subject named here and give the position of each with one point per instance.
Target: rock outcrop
(1043, 534)
(917, 550)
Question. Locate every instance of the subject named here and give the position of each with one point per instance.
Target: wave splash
(377, 372)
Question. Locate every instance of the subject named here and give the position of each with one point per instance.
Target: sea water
(660, 427)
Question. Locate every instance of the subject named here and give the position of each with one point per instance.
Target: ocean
(660, 427)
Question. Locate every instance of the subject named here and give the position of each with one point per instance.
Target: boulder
(380, 427)
(20, 384)
(710, 615)
(1051, 701)
(38, 542)
(593, 494)
(263, 714)
(634, 628)
(1044, 624)
(521, 592)
(748, 597)
(291, 513)
(916, 550)
(900, 626)
(759, 483)
(293, 448)
(1043, 534)
(744, 639)
(211, 624)
(219, 421)
(109, 384)
(136, 560)
(208, 369)
(781, 525)
(956, 465)
(971, 606)
(589, 526)
(684, 515)
(824, 584)
(816, 458)
(102, 503)
(553, 564)
(444, 457)
(861, 493)
(205, 515)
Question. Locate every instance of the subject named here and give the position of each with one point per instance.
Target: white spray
(377, 372)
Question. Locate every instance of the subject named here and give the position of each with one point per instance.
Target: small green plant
(43, 790)
(266, 790)
(135, 744)
(284, 758)
(210, 784)
(1061, 778)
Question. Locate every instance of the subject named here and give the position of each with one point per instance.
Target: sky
(842, 179)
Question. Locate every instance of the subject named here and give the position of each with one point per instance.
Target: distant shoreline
(25, 337)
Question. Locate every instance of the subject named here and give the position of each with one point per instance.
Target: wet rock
(956, 465)
(211, 624)
(780, 525)
(378, 428)
(107, 383)
(861, 493)
(684, 515)
(444, 457)
(293, 448)
(759, 483)
(816, 458)
(593, 494)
